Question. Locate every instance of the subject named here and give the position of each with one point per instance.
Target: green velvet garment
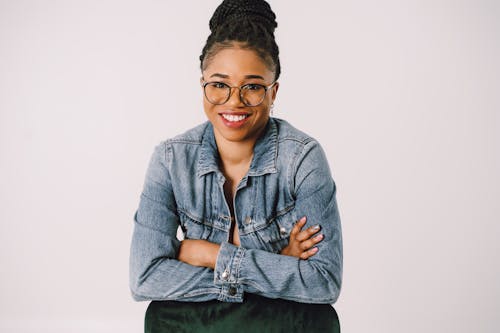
(255, 314)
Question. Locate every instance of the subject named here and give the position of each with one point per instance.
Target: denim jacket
(288, 178)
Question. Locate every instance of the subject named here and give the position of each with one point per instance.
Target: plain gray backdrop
(403, 96)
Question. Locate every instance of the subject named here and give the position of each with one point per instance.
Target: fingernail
(315, 227)
(314, 249)
(319, 237)
(303, 219)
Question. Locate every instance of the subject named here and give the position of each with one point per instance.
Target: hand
(198, 252)
(301, 241)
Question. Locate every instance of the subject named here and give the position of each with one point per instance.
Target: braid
(248, 22)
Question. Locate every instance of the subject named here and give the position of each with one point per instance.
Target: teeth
(232, 117)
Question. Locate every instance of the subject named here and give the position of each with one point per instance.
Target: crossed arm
(310, 268)
(202, 253)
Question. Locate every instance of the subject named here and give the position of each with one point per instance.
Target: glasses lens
(217, 92)
(253, 94)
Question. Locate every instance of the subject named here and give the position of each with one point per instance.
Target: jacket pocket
(192, 228)
(276, 234)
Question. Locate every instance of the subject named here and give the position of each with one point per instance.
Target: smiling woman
(238, 117)
(252, 194)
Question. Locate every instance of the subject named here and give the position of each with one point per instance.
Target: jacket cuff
(227, 272)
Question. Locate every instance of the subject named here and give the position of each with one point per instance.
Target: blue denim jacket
(288, 178)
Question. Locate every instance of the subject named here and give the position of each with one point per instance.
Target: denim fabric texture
(289, 177)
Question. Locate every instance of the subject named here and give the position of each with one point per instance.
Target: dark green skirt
(255, 314)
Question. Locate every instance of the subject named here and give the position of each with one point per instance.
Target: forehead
(238, 63)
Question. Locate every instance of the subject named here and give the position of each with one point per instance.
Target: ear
(275, 90)
(201, 84)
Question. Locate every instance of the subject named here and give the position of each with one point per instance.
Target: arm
(202, 253)
(155, 273)
(315, 280)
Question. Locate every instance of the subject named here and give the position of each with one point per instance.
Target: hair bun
(255, 10)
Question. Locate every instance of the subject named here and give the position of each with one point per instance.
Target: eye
(218, 85)
(252, 86)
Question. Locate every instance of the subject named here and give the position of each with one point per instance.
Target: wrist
(211, 255)
(198, 252)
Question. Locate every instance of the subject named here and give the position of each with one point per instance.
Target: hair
(248, 24)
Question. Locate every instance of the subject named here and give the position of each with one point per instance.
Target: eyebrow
(250, 76)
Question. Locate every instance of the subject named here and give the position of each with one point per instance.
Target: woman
(253, 195)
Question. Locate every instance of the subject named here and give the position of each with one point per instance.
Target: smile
(234, 118)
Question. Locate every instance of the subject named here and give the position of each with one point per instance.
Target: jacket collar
(264, 153)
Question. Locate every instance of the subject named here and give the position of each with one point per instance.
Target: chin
(235, 137)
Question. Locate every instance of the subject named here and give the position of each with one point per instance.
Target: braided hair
(249, 24)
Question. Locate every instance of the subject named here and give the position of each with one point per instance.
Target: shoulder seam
(303, 141)
(187, 141)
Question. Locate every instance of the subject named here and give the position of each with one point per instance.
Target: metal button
(248, 220)
(224, 275)
(283, 230)
(232, 291)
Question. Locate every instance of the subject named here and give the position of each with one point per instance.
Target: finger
(298, 226)
(307, 244)
(309, 253)
(305, 234)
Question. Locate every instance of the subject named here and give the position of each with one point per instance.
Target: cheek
(266, 105)
(264, 113)
(207, 107)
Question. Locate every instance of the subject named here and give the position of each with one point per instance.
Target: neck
(234, 153)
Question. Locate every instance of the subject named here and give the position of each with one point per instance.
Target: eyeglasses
(251, 94)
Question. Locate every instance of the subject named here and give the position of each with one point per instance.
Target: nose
(234, 97)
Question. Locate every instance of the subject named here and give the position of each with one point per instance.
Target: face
(234, 121)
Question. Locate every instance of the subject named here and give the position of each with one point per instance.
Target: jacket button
(224, 275)
(283, 230)
(248, 220)
(232, 291)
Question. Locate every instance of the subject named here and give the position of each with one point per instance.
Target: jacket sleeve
(315, 280)
(155, 274)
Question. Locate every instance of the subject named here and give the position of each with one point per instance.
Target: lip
(235, 113)
(234, 124)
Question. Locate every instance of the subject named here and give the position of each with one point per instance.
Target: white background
(403, 96)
